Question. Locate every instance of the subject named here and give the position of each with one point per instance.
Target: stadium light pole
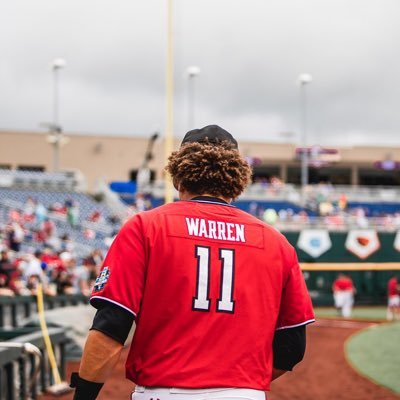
(192, 72)
(304, 80)
(57, 65)
(169, 89)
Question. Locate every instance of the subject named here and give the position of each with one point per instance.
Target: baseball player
(393, 289)
(218, 297)
(343, 294)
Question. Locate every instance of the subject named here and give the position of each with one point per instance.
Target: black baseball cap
(210, 133)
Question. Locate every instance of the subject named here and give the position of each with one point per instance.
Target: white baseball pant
(142, 393)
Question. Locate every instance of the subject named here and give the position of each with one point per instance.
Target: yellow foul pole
(169, 129)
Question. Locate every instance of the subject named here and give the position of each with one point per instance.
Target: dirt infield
(323, 375)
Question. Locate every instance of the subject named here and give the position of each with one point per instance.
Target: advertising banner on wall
(362, 242)
(314, 242)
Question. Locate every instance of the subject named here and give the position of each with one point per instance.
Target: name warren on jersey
(209, 284)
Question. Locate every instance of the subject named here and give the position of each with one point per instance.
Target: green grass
(375, 353)
(362, 313)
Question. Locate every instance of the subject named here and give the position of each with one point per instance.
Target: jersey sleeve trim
(310, 321)
(112, 301)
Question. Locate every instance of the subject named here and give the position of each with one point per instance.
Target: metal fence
(24, 367)
(14, 310)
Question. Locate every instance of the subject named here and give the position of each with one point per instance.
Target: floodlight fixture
(58, 63)
(193, 71)
(304, 79)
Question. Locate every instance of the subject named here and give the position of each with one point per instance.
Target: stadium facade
(117, 158)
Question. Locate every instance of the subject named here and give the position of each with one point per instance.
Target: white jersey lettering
(221, 230)
(240, 233)
(229, 230)
(193, 226)
(203, 229)
(212, 229)
(200, 227)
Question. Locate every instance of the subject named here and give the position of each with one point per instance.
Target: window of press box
(133, 175)
(265, 172)
(33, 168)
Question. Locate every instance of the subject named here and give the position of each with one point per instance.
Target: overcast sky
(250, 53)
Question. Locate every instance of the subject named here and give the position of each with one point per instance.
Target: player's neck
(183, 195)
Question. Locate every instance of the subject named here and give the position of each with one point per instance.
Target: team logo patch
(314, 242)
(102, 279)
(362, 242)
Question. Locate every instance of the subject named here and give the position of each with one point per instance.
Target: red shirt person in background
(343, 294)
(393, 292)
(218, 296)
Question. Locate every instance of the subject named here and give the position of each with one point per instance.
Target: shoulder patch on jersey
(102, 279)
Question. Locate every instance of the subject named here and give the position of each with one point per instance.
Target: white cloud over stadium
(249, 52)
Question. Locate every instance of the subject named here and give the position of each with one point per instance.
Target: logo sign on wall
(314, 242)
(362, 242)
(397, 241)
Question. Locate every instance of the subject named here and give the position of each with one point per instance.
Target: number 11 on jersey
(202, 300)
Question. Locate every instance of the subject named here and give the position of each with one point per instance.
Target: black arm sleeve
(113, 321)
(289, 346)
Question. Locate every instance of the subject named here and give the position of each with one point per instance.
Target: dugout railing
(24, 375)
(15, 310)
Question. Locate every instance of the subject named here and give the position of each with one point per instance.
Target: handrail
(25, 350)
(11, 306)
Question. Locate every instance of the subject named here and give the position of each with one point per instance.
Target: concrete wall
(113, 157)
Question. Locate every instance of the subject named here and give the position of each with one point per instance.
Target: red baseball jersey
(209, 284)
(343, 284)
(393, 289)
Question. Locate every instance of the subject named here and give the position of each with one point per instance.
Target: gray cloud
(250, 54)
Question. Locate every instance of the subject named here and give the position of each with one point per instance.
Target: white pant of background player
(344, 299)
(142, 393)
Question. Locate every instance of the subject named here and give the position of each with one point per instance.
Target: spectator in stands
(142, 204)
(58, 208)
(67, 244)
(343, 294)
(95, 258)
(7, 267)
(342, 202)
(253, 208)
(393, 292)
(80, 276)
(32, 265)
(114, 219)
(94, 262)
(29, 209)
(95, 216)
(54, 242)
(40, 213)
(15, 235)
(48, 227)
(5, 289)
(15, 216)
(61, 276)
(361, 218)
(33, 273)
(73, 213)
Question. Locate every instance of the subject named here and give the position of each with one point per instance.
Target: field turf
(360, 313)
(375, 353)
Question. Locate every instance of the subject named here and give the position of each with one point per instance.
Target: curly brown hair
(216, 169)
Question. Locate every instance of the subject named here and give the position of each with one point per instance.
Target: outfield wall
(370, 274)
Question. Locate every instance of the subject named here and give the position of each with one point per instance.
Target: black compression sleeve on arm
(113, 321)
(289, 346)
